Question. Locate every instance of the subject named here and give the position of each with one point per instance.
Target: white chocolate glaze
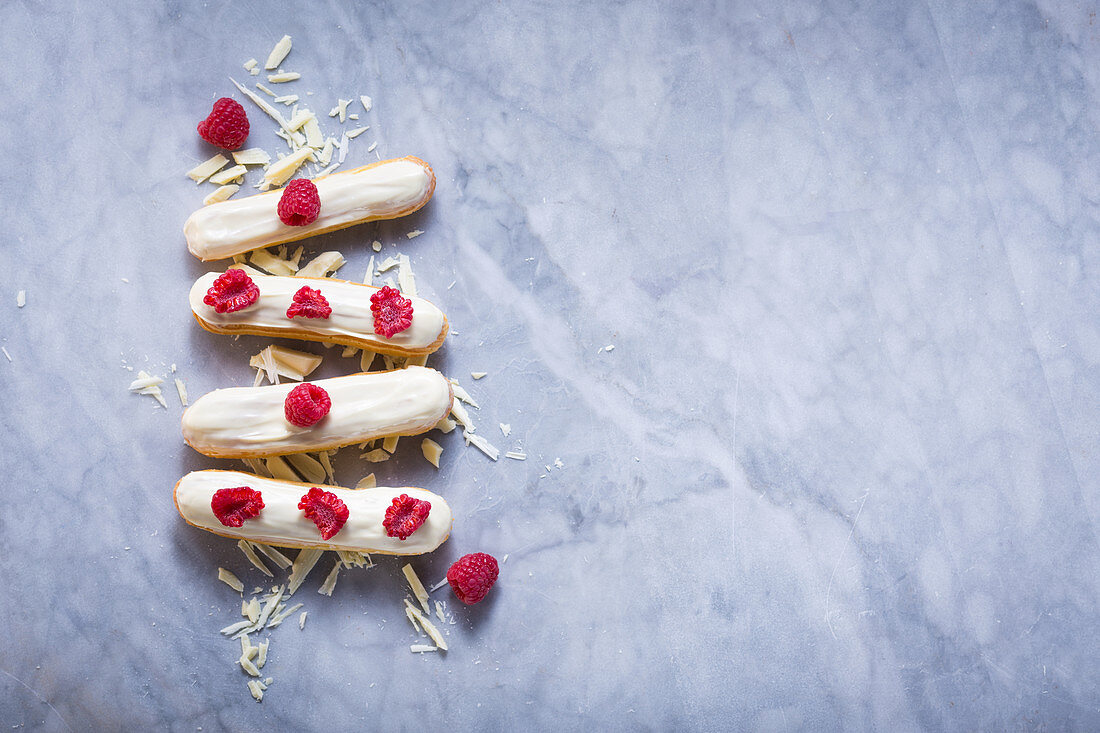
(282, 523)
(383, 191)
(242, 422)
(351, 315)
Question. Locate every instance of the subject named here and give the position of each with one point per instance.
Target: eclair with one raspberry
(387, 189)
(255, 422)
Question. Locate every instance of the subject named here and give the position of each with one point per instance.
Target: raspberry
(233, 506)
(326, 510)
(392, 313)
(309, 303)
(404, 516)
(232, 291)
(300, 203)
(472, 576)
(306, 404)
(226, 126)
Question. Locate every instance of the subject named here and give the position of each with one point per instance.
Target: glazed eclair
(252, 422)
(350, 323)
(279, 520)
(385, 190)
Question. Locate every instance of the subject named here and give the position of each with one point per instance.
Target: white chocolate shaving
(278, 53)
(229, 174)
(251, 156)
(462, 417)
(330, 580)
(207, 168)
(303, 564)
(485, 446)
(310, 469)
(231, 580)
(463, 394)
(431, 450)
(300, 119)
(273, 555)
(246, 548)
(429, 628)
(312, 129)
(323, 265)
(222, 193)
(405, 277)
(280, 469)
(266, 261)
(366, 360)
(416, 585)
(259, 102)
(326, 153)
(279, 173)
(292, 364)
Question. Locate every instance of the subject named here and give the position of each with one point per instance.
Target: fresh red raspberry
(404, 516)
(232, 291)
(233, 506)
(306, 404)
(226, 126)
(472, 576)
(326, 510)
(392, 313)
(300, 203)
(309, 303)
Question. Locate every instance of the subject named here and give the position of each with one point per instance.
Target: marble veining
(836, 473)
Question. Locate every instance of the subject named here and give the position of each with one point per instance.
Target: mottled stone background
(839, 470)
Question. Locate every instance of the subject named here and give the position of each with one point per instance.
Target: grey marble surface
(839, 471)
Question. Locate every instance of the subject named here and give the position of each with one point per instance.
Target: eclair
(384, 190)
(253, 422)
(271, 512)
(350, 321)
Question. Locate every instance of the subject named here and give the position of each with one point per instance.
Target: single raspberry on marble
(306, 404)
(472, 576)
(233, 506)
(300, 203)
(309, 303)
(226, 126)
(392, 313)
(232, 291)
(326, 510)
(405, 515)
